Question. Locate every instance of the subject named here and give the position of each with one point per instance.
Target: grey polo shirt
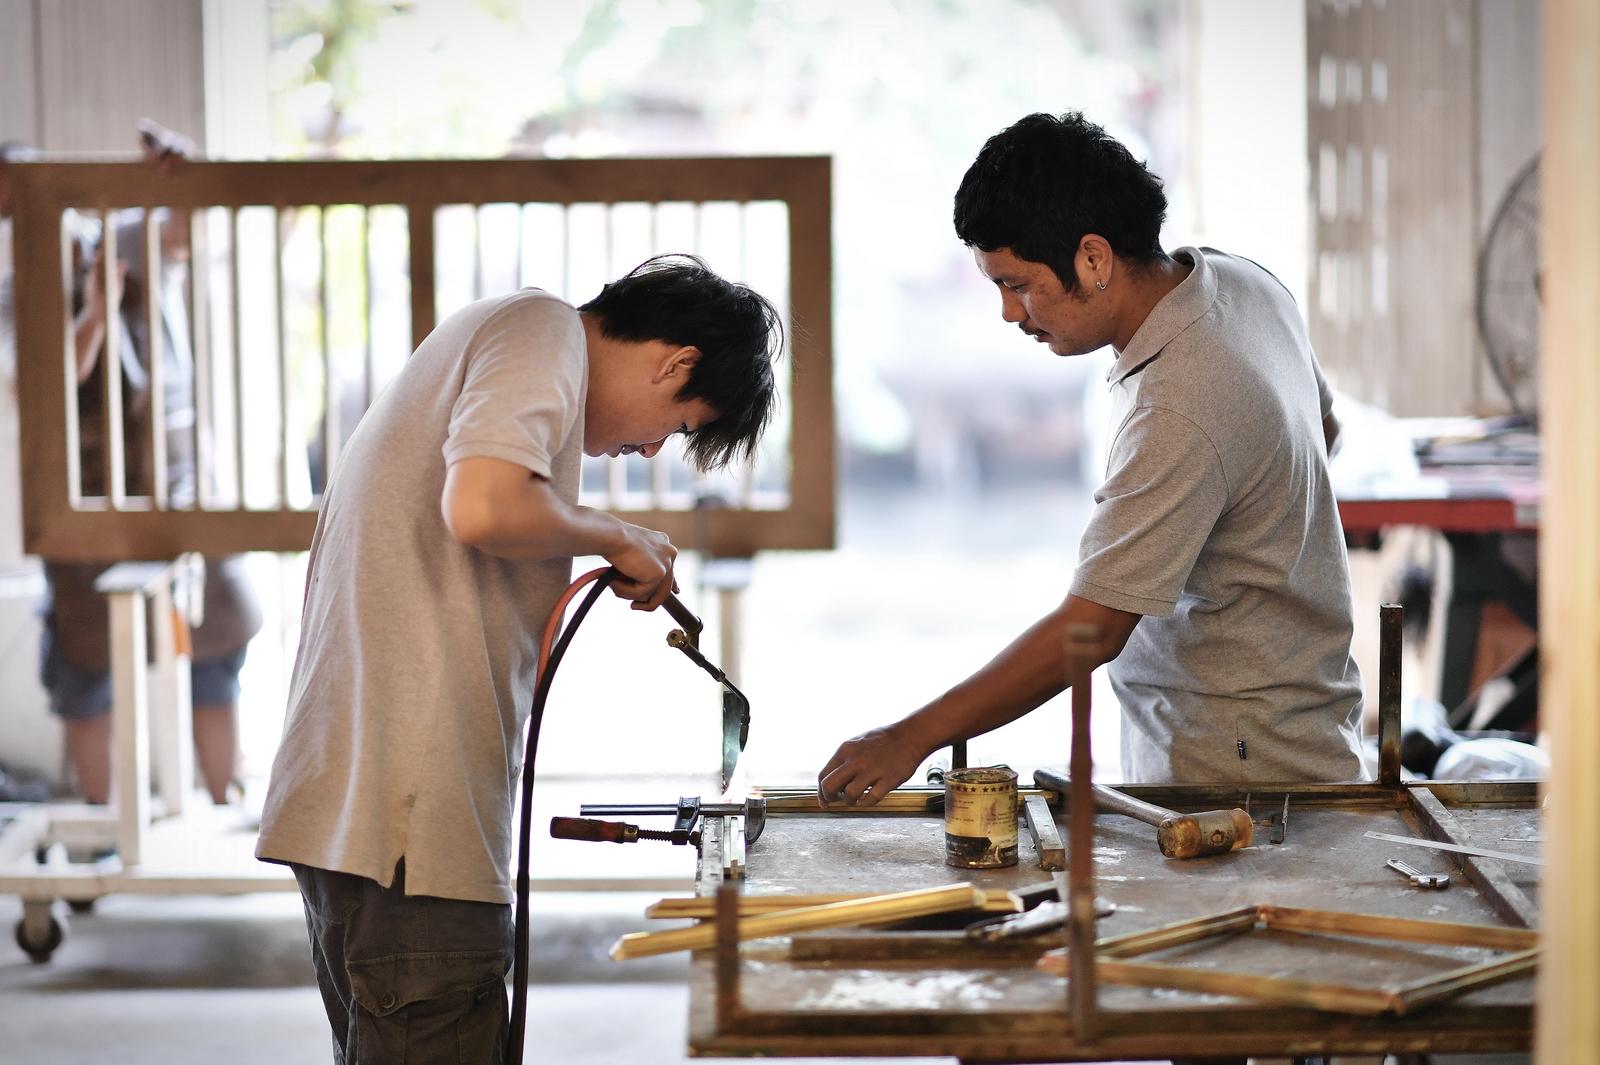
(417, 653)
(1217, 522)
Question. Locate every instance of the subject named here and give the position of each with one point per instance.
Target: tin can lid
(997, 774)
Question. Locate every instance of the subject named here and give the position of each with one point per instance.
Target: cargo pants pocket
(428, 1007)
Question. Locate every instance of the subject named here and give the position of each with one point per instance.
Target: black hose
(541, 692)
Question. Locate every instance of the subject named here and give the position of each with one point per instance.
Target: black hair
(1039, 185)
(681, 300)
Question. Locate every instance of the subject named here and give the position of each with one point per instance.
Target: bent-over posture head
(702, 346)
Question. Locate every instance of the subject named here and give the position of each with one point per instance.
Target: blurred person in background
(75, 652)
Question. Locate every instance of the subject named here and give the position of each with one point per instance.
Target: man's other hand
(863, 770)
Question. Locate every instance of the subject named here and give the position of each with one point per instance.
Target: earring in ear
(1101, 285)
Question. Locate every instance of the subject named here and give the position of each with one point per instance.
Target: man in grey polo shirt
(1213, 564)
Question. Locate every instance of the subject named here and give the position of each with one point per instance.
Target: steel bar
(1476, 852)
(1046, 837)
(727, 943)
(1403, 929)
(1510, 902)
(877, 909)
(1082, 651)
(1428, 992)
(1390, 619)
(1248, 985)
(701, 907)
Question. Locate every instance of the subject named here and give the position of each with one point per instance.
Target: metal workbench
(930, 992)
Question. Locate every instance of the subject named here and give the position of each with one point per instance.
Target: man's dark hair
(1042, 183)
(681, 300)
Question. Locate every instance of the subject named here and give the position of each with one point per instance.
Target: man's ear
(1094, 258)
(677, 363)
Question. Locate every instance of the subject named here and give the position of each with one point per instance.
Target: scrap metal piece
(1046, 836)
(1476, 852)
(1046, 917)
(1435, 882)
(732, 846)
(1277, 822)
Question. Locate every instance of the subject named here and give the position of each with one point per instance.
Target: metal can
(980, 817)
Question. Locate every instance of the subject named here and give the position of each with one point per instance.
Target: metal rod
(1082, 647)
(1476, 852)
(1390, 618)
(727, 944)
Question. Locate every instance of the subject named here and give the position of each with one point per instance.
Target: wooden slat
(1569, 569)
(280, 303)
(199, 305)
(156, 339)
(111, 421)
(236, 321)
(331, 435)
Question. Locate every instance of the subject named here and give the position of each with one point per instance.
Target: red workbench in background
(1482, 491)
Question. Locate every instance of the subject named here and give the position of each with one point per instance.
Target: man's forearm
(88, 337)
(507, 512)
(1031, 670)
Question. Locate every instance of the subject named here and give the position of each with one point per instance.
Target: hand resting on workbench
(1017, 680)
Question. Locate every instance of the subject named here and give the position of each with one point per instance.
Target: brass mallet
(1178, 835)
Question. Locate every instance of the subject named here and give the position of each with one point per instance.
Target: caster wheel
(81, 906)
(39, 950)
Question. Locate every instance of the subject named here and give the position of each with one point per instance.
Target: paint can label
(980, 817)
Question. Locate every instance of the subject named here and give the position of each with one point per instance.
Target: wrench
(1422, 880)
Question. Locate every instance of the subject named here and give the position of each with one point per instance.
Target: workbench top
(933, 992)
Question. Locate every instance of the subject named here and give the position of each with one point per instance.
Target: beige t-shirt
(417, 655)
(1217, 522)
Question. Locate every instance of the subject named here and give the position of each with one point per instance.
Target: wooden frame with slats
(59, 522)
